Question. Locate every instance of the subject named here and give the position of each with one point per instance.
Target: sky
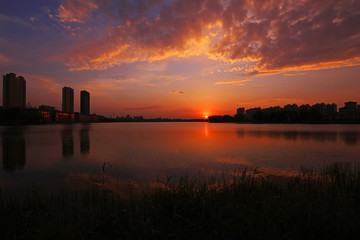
(183, 58)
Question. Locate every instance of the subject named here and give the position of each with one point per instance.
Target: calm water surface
(52, 156)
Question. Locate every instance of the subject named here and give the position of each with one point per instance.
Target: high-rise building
(350, 107)
(14, 91)
(84, 102)
(240, 111)
(68, 100)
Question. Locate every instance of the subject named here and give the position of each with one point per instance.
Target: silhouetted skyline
(292, 113)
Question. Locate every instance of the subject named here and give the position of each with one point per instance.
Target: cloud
(177, 92)
(274, 36)
(102, 86)
(33, 19)
(172, 77)
(42, 82)
(6, 60)
(294, 74)
(234, 82)
(15, 20)
(76, 10)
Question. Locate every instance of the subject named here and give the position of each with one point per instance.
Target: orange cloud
(177, 92)
(234, 82)
(76, 10)
(275, 35)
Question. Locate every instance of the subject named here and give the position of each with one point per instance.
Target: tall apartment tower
(68, 100)
(14, 91)
(84, 102)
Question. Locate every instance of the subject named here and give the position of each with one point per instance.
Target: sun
(206, 116)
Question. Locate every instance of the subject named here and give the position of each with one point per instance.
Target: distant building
(84, 102)
(321, 107)
(305, 107)
(128, 117)
(240, 111)
(331, 108)
(14, 91)
(271, 109)
(216, 118)
(350, 107)
(349, 111)
(46, 108)
(291, 107)
(250, 112)
(342, 111)
(68, 100)
(138, 118)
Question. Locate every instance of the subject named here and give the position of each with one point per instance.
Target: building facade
(240, 111)
(14, 91)
(85, 102)
(68, 100)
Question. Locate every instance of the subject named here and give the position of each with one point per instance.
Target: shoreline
(177, 121)
(321, 202)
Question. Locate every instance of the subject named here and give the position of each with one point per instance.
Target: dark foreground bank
(316, 204)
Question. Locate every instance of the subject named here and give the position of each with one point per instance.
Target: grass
(318, 203)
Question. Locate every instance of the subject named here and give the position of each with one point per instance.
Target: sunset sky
(183, 58)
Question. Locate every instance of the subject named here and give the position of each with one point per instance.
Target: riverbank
(318, 203)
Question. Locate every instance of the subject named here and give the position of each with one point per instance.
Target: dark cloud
(278, 34)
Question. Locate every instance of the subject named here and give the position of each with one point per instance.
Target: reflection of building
(350, 137)
(67, 142)
(85, 102)
(68, 100)
(84, 140)
(14, 91)
(14, 149)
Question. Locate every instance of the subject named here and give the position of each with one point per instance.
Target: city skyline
(183, 59)
(15, 97)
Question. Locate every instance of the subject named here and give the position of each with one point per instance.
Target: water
(52, 156)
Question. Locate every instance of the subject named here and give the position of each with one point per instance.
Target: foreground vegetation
(316, 204)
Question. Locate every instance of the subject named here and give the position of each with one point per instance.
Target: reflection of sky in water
(51, 155)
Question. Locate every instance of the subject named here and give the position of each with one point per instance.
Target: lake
(136, 154)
